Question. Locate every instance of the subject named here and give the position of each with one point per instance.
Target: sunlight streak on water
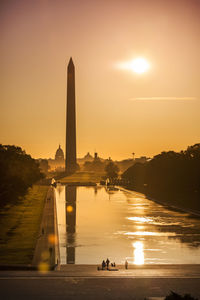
(140, 219)
(145, 233)
(138, 253)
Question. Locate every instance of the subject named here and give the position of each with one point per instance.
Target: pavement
(165, 270)
(85, 282)
(46, 251)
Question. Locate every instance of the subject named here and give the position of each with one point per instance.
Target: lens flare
(69, 208)
(52, 238)
(43, 267)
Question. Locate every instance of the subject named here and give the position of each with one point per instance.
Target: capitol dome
(59, 156)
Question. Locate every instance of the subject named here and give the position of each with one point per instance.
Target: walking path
(145, 271)
(46, 251)
(86, 283)
(170, 271)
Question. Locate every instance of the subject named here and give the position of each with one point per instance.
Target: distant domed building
(57, 164)
(88, 157)
(59, 156)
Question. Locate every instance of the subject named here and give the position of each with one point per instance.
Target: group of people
(105, 264)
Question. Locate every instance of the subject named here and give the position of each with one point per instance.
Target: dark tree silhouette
(96, 166)
(111, 170)
(169, 176)
(18, 171)
(44, 166)
(135, 176)
(175, 296)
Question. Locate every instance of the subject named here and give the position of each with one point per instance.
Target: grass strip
(20, 225)
(83, 177)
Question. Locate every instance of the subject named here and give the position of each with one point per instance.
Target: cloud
(163, 98)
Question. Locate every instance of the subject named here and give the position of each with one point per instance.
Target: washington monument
(70, 158)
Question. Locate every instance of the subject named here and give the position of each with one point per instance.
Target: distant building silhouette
(57, 164)
(88, 157)
(92, 163)
(70, 159)
(142, 159)
(96, 158)
(59, 156)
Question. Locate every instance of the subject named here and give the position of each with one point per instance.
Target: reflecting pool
(95, 223)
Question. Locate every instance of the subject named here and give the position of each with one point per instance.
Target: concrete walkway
(81, 271)
(92, 288)
(166, 271)
(46, 253)
(84, 282)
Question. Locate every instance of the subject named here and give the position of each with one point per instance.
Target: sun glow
(138, 65)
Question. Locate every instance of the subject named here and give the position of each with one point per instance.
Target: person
(126, 264)
(107, 263)
(103, 264)
(114, 264)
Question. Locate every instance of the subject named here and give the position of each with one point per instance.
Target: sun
(139, 65)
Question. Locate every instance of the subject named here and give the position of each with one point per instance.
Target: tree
(18, 171)
(111, 170)
(44, 166)
(135, 176)
(170, 176)
(95, 166)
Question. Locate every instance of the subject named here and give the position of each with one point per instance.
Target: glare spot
(43, 267)
(45, 255)
(52, 238)
(69, 208)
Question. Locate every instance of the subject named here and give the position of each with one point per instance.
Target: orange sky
(118, 112)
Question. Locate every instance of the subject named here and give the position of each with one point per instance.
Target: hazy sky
(118, 111)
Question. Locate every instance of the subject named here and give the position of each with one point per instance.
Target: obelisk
(70, 158)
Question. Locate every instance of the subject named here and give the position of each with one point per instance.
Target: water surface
(95, 223)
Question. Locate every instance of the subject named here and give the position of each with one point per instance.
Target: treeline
(97, 165)
(170, 176)
(18, 171)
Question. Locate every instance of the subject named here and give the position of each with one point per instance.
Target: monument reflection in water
(70, 196)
